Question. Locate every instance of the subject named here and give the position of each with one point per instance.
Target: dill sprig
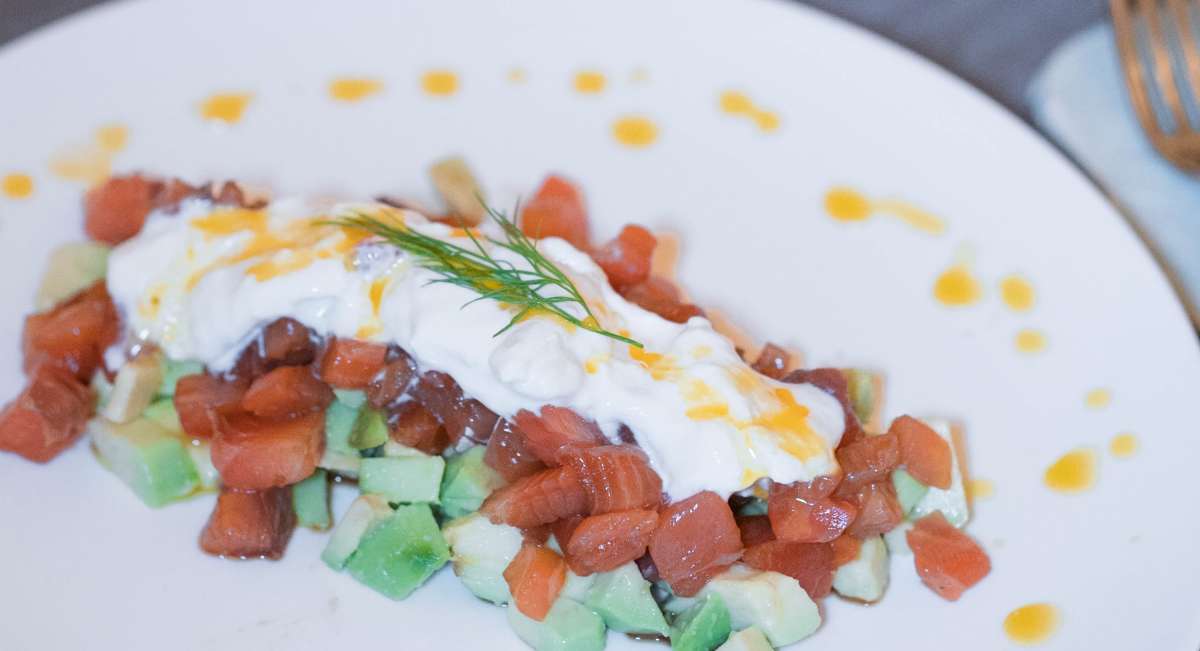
(474, 268)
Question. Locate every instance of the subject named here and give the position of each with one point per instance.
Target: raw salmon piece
(605, 542)
(72, 335)
(879, 510)
(395, 380)
(538, 499)
(283, 342)
(626, 259)
(48, 416)
(696, 539)
(812, 564)
(845, 549)
(616, 478)
(870, 459)
(755, 529)
(255, 453)
(557, 210)
(535, 576)
(286, 392)
(800, 513)
(833, 382)
(660, 296)
(250, 524)
(563, 529)
(556, 431)
(947, 560)
(201, 398)
(117, 210)
(415, 426)
(352, 364)
(924, 454)
(460, 415)
(772, 362)
(509, 454)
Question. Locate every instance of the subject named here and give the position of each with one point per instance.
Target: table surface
(995, 44)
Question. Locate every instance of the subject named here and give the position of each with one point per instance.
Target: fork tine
(1164, 72)
(1187, 39)
(1131, 62)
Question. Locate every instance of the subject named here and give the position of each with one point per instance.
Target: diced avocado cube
(134, 388)
(897, 539)
(569, 626)
(576, 587)
(402, 479)
(352, 398)
(151, 460)
(370, 429)
(750, 639)
(163, 412)
(172, 370)
(703, 627)
(481, 551)
(952, 502)
(103, 389)
(364, 513)
(909, 489)
(467, 482)
(866, 577)
(310, 500)
(622, 597)
(201, 453)
(864, 388)
(394, 449)
(339, 423)
(71, 269)
(400, 553)
(770, 601)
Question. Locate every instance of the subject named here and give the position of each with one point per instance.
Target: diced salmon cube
(563, 529)
(557, 210)
(755, 529)
(538, 499)
(116, 210)
(661, 297)
(800, 513)
(557, 431)
(626, 259)
(352, 364)
(605, 542)
(415, 426)
(616, 477)
(947, 560)
(394, 381)
(772, 362)
(461, 416)
(811, 564)
(535, 577)
(200, 399)
(250, 524)
(696, 539)
(283, 342)
(870, 459)
(255, 453)
(73, 335)
(833, 382)
(845, 549)
(924, 454)
(286, 392)
(509, 454)
(48, 416)
(879, 510)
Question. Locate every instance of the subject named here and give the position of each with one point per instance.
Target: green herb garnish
(500, 280)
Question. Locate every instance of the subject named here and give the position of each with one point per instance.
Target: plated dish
(539, 411)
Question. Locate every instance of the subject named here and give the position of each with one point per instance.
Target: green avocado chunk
(163, 412)
(364, 513)
(150, 459)
(310, 500)
(172, 370)
(481, 550)
(467, 482)
(339, 423)
(402, 479)
(71, 268)
(400, 553)
(370, 429)
(747, 639)
(622, 597)
(703, 627)
(569, 626)
(909, 489)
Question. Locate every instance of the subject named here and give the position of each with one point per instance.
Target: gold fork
(1146, 26)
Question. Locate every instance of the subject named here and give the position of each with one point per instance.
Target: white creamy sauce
(706, 420)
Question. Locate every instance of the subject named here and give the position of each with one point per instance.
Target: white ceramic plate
(86, 565)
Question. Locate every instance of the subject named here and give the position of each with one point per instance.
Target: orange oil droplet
(1097, 398)
(1123, 445)
(17, 185)
(517, 75)
(635, 131)
(735, 103)
(354, 89)
(767, 121)
(589, 82)
(1074, 472)
(1032, 623)
(981, 489)
(1017, 293)
(112, 138)
(439, 83)
(225, 107)
(844, 204)
(957, 287)
(1030, 341)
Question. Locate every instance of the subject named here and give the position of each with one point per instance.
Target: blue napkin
(1079, 99)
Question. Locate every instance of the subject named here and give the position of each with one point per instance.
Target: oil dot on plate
(844, 204)
(981, 489)
(1097, 398)
(736, 103)
(639, 76)
(767, 121)
(1123, 445)
(112, 137)
(439, 83)
(225, 107)
(89, 164)
(956, 287)
(1017, 293)
(1030, 341)
(1032, 623)
(516, 75)
(1074, 472)
(635, 131)
(353, 89)
(589, 82)
(17, 185)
